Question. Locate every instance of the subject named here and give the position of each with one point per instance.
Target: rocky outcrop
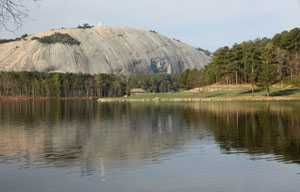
(100, 50)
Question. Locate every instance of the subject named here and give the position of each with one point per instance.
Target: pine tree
(267, 72)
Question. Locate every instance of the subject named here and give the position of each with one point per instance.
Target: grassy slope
(225, 92)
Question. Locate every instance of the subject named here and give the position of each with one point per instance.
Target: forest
(262, 62)
(36, 84)
(59, 85)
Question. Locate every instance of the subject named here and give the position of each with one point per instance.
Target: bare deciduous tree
(12, 13)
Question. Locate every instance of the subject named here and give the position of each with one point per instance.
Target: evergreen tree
(267, 72)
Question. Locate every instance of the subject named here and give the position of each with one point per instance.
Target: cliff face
(101, 50)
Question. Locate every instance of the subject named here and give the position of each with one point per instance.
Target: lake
(74, 146)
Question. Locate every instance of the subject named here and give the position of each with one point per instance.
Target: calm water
(74, 146)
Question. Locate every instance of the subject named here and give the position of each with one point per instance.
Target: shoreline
(29, 98)
(157, 99)
(190, 99)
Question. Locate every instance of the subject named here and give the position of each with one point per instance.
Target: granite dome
(100, 49)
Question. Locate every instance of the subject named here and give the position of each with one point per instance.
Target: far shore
(212, 93)
(189, 99)
(28, 98)
(215, 93)
(156, 99)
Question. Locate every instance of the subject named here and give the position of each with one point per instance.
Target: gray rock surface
(102, 49)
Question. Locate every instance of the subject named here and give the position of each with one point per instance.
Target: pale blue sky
(203, 23)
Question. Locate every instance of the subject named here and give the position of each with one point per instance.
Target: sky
(208, 24)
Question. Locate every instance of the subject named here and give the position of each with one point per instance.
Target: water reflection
(90, 136)
(256, 129)
(98, 138)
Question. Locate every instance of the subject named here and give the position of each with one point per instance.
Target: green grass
(275, 92)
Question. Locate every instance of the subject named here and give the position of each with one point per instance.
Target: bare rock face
(100, 50)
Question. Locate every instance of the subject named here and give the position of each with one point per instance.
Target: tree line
(37, 84)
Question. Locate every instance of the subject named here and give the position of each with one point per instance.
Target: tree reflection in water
(97, 138)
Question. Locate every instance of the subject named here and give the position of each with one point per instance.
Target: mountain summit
(99, 49)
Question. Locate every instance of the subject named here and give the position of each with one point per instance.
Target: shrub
(207, 52)
(35, 38)
(57, 38)
(177, 40)
(152, 31)
(2, 41)
(24, 36)
(85, 26)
